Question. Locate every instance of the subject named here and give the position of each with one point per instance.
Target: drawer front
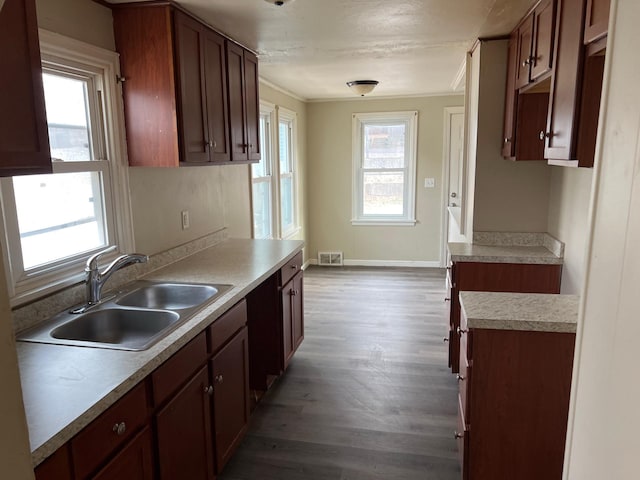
(173, 373)
(462, 438)
(464, 379)
(93, 445)
(292, 267)
(226, 325)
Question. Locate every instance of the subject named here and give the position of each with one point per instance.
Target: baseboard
(392, 263)
(311, 261)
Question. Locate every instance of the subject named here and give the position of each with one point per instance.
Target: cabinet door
(297, 307)
(193, 115)
(237, 111)
(216, 97)
(252, 105)
(135, 461)
(525, 39)
(597, 20)
(562, 120)
(184, 432)
(510, 101)
(287, 296)
(56, 467)
(24, 141)
(544, 19)
(230, 370)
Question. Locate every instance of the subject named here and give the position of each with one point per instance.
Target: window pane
(59, 215)
(67, 117)
(383, 193)
(286, 203)
(285, 150)
(262, 210)
(384, 146)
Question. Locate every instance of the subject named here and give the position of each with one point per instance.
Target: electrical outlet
(185, 219)
(429, 183)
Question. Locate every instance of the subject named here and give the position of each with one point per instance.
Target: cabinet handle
(447, 299)
(461, 331)
(120, 428)
(208, 390)
(219, 379)
(460, 377)
(294, 267)
(507, 140)
(445, 339)
(294, 292)
(458, 435)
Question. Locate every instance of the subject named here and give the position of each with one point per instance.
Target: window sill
(291, 233)
(384, 223)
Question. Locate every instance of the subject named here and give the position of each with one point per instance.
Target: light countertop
(539, 312)
(65, 388)
(469, 252)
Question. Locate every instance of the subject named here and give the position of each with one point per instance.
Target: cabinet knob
(445, 339)
(120, 428)
(294, 292)
(459, 377)
(458, 435)
(447, 299)
(544, 135)
(527, 62)
(219, 379)
(294, 267)
(507, 140)
(208, 390)
(461, 331)
(454, 194)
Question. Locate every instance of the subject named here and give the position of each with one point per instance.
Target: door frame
(446, 169)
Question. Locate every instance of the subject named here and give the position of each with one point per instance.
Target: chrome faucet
(96, 279)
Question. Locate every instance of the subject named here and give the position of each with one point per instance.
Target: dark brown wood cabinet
(230, 380)
(24, 140)
(511, 100)
(535, 37)
(292, 317)
(181, 90)
(495, 277)
(514, 389)
(596, 20)
(56, 467)
(134, 461)
(244, 110)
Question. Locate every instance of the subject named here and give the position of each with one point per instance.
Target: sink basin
(171, 296)
(127, 328)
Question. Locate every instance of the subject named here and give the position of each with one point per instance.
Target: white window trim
(292, 117)
(57, 48)
(269, 109)
(411, 117)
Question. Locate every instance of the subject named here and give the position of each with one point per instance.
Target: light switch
(429, 183)
(185, 219)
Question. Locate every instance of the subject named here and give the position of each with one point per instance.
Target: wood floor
(368, 395)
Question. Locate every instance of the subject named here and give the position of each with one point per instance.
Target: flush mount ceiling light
(362, 87)
(278, 3)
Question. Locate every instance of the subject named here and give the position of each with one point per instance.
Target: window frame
(71, 58)
(291, 118)
(267, 110)
(359, 121)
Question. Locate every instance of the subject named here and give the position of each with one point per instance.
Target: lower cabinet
(514, 389)
(495, 277)
(56, 467)
(135, 461)
(292, 318)
(183, 430)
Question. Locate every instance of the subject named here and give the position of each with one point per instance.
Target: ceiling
(311, 48)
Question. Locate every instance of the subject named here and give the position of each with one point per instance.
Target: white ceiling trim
(458, 80)
(280, 89)
(385, 97)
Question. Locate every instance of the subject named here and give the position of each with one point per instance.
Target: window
(286, 131)
(384, 168)
(274, 183)
(262, 179)
(54, 222)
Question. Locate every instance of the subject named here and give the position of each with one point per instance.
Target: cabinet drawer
(173, 373)
(292, 267)
(93, 445)
(226, 325)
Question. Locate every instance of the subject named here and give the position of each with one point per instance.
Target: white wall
(604, 417)
(330, 182)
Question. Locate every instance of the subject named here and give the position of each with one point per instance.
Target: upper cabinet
(180, 92)
(553, 96)
(24, 141)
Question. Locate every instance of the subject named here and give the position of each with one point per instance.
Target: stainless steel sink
(170, 296)
(134, 318)
(125, 328)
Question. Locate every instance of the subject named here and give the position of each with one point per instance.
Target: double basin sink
(132, 319)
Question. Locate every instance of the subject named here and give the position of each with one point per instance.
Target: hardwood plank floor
(368, 395)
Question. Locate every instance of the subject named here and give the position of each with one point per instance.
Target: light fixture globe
(278, 3)
(362, 87)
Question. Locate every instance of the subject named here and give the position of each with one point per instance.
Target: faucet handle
(92, 262)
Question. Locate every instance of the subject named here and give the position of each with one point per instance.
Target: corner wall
(330, 174)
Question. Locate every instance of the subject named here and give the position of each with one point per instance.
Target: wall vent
(333, 259)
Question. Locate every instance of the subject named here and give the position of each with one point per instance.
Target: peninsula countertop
(536, 312)
(65, 388)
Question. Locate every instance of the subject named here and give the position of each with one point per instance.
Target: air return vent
(332, 259)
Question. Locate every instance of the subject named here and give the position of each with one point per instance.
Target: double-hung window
(52, 223)
(384, 168)
(274, 178)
